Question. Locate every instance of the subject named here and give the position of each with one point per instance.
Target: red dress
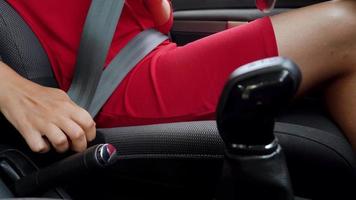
(172, 83)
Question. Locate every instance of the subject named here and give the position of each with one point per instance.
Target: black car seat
(189, 155)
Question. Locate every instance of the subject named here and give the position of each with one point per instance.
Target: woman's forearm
(160, 10)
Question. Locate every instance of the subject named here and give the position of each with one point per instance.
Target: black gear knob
(251, 99)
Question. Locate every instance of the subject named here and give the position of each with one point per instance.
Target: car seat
(189, 155)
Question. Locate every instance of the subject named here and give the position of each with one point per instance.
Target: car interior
(304, 156)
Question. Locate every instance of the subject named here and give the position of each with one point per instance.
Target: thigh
(184, 83)
(320, 39)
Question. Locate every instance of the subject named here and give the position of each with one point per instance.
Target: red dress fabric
(170, 84)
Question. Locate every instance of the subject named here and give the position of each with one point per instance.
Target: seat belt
(99, 29)
(121, 65)
(91, 85)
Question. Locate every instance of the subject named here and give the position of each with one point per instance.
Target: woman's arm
(43, 114)
(160, 10)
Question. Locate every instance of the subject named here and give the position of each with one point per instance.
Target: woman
(175, 83)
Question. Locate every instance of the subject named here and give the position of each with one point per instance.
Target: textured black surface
(201, 139)
(191, 153)
(190, 139)
(20, 48)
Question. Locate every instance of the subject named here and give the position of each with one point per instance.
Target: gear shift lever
(253, 96)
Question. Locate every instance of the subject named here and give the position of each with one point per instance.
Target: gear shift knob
(252, 97)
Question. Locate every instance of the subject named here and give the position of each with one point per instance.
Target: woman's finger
(86, 122)
(35, 141)
(56, 137)
(75, 134)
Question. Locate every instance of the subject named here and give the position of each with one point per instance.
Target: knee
(342, 16)
(343, 12)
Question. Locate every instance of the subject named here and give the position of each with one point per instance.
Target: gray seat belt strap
(99, 29)
(91, 86)
(122, 64)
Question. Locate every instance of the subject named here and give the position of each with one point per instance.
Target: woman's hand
(44, 115)
(160, 10)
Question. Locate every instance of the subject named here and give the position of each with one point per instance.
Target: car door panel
(200, 18)
(221, 4)
(190, 25)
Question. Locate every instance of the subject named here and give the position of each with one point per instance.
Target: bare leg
(322, 40)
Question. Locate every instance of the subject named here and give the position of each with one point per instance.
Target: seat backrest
(21, 50)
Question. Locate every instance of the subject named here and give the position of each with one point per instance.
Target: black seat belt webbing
(99, 29)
